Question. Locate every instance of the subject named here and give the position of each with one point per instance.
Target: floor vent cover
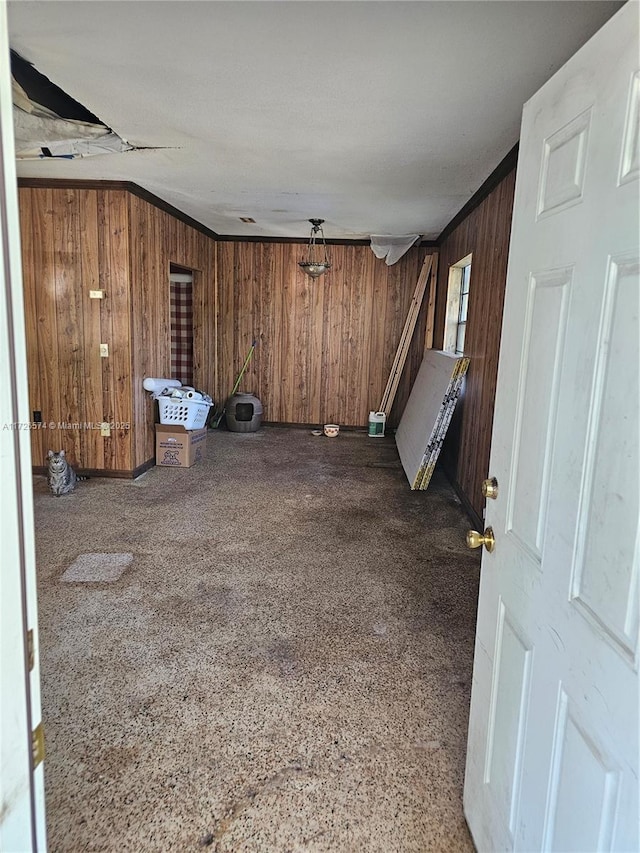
(97, 568)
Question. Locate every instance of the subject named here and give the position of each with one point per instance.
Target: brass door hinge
(31, 652)
(37, 745)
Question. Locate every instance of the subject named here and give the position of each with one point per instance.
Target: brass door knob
(490, 488)
(476, 540)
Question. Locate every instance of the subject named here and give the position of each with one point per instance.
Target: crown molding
(156, 201)
(506, 165)
(126, 186)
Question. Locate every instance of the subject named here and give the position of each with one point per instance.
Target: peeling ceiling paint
(49, 123)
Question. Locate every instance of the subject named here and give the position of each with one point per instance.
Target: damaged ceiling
(41, 132)
(380, 117)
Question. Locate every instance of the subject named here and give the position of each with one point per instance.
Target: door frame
(22, 822)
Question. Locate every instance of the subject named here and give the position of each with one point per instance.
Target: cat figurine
(61, 476)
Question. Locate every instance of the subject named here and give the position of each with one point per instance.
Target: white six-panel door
(552, 760)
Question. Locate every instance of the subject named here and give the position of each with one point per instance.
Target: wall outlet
(105, 430)
(96, 294)
(104, 350)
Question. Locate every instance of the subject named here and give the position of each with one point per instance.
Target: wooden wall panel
(106, 330)
(266, 370)
(91, 318)
(325, 347)
(485, 233)
(309, 342)
(64, 234)
(74, 241)
(69, 324)
(77, 240)
(156, 240)
(144, 324)
(142, 406)
(377, 372)
(114, 263)
(225, 253)
(336, 319)
(44, 281)
(287, 337)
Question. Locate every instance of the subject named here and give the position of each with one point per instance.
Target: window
(457, 306)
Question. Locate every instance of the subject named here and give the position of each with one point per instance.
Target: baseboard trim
(117, 474)
(312, 426)
(142, 469)
(472, 515)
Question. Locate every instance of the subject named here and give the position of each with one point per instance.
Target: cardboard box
(177, 447)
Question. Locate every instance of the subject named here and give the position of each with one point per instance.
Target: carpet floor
(284, 665)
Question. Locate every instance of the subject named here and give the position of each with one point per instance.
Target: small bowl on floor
(316, 432)
(331, 430)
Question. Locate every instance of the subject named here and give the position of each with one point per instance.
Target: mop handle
(244, 367)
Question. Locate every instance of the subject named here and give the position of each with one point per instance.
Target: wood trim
(472, 515)
(71, 184)
(431, 304)
(303, 241)
(501, 171)
(128, 186)
(113, 473)
(386, 404)
(161, 204)
(142, 469)
(310, 427)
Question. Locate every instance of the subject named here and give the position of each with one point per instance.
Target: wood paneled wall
(324, 350)
(77, 240)
(157, 240)
(73, 242)
(324, 347)
(485, 233)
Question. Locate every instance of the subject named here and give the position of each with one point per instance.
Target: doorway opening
(181, 312)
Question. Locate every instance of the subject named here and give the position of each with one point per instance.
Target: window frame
(457, 307)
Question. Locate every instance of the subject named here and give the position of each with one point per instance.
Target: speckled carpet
(285, 665)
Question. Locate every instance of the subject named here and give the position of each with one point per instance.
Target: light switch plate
(104, 350)
(96, 294)
(105, 430)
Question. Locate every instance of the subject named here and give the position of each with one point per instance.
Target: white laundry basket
(191, 414)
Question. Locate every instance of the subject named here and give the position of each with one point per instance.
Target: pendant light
(317, 261)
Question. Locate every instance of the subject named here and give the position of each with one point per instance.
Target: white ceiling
(380, 117)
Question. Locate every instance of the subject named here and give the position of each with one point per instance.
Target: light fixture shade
(314, 270)
(317, 261)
